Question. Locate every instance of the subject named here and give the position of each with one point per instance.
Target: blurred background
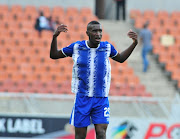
(35, 91)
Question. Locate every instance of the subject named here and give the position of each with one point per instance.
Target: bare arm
(54, 52)
(121, 57)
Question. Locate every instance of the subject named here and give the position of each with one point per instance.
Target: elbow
(52, 56)
(122, 61)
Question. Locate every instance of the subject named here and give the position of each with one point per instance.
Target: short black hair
(92, 23)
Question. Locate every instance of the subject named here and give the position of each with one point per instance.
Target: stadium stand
(163, 23)
(25, 65)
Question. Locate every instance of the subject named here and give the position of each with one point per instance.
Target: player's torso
(84, 56)
(91, 68)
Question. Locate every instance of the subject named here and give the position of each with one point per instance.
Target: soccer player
(91, 77)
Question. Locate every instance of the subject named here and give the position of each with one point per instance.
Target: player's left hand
(133, 35)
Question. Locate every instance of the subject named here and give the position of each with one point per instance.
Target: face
(95, 33)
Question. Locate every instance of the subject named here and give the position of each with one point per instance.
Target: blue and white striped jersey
(91, 74)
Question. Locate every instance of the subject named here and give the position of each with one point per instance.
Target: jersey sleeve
(114, 52)
(68, 51)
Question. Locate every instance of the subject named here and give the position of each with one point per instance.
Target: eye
(95, 31)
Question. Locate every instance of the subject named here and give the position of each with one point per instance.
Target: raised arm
(54, 52)
(121, 57)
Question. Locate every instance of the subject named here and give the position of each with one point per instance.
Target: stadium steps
(155, 79)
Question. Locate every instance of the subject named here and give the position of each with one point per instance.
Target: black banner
(22, 126)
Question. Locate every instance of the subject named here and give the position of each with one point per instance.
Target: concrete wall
(51, 3)
(156, 5)
(142, 5)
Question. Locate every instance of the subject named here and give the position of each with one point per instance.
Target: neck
(92, 45)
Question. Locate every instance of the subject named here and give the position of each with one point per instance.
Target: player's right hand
(60, 28)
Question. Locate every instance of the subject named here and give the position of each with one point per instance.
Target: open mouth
(98, 39)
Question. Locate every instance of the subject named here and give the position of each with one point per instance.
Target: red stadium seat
(27, 53)
(46, 10)
(149, 14)
(72, 11)
(85, 11)
(4, 8)
(135, 13)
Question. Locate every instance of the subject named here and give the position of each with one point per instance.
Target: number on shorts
(106, 112)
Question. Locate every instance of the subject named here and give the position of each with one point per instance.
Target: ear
(87, 32)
